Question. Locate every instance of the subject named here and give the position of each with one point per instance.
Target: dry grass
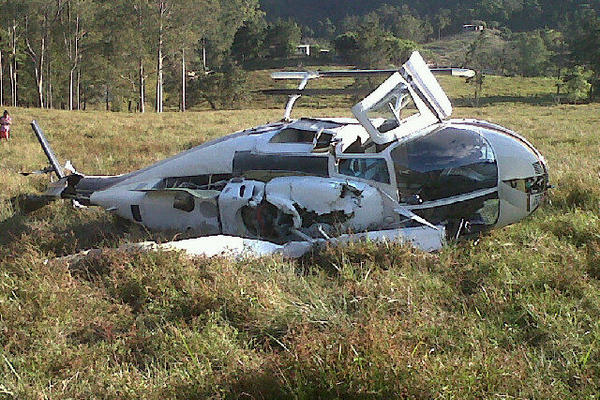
(514, 315)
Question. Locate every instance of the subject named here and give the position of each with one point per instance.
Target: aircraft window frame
(362, 173)
(392, 105)
(422, 118)
(421, 182)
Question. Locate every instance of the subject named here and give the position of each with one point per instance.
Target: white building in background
(473, 28)
(303, 50)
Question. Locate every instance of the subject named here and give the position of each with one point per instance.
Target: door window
(374, 169)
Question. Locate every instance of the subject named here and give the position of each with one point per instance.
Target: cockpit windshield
(447, 162)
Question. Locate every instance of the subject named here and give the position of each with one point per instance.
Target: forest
(135, 55)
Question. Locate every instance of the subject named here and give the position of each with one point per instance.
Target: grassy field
(514, 315)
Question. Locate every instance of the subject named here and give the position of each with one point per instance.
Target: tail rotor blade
(48, 150)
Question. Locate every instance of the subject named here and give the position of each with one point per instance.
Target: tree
(584, 43)
(347, 45)
(223, 88)
(398, 50)
(12, 17)
(558, 55)
(484, 53)
(248, 42)
(410, 27)
(442, 20)
(533, 56)
(282, 38)
(73, 26)
(372, 47)
(40, 17)
(577, 84)
(326, 29)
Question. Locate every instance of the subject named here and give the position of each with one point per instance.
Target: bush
(577, 85)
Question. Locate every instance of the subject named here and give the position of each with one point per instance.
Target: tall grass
(514, 314)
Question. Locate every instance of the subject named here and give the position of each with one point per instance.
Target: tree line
(516, 15)
(71, 53)
(128, 54)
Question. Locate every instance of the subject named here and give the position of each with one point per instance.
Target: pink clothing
(5, 123)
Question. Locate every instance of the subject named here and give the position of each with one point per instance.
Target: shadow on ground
(542, 100)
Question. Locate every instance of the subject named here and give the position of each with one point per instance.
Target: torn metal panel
(362, 204)
(234, 197)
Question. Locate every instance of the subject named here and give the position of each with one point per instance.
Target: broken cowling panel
(287, 208)
(322, 199)
(237, 194)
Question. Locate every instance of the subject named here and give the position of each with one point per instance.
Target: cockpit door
(384, 112)
(419, 76)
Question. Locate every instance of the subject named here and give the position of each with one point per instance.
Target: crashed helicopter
(400, 170)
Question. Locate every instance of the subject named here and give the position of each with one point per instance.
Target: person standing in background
(5, 123)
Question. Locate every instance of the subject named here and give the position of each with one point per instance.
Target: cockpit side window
(374, 169)
(447, 162)
(292, 135)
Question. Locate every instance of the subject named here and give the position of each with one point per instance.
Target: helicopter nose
(522, 174)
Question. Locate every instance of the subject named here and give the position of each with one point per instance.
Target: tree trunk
(78, 88)
(39, 81)
(183, 80)
(71, 89)
(12, 85)
(49, 97)
(142, 87)
(38, 60)
(159, 80)
(73, 49)
(107, 100)
(39, 73)
(1, 82)
(159, 59)
(558, 78)
(13, 65)
(204, 67)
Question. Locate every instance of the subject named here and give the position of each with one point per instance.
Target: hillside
(519, 16)
(512, 315)
(306, 10)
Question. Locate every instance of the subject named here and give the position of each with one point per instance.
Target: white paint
(424, 238)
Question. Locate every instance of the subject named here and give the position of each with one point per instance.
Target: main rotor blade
(312, 92)
(358, 73)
